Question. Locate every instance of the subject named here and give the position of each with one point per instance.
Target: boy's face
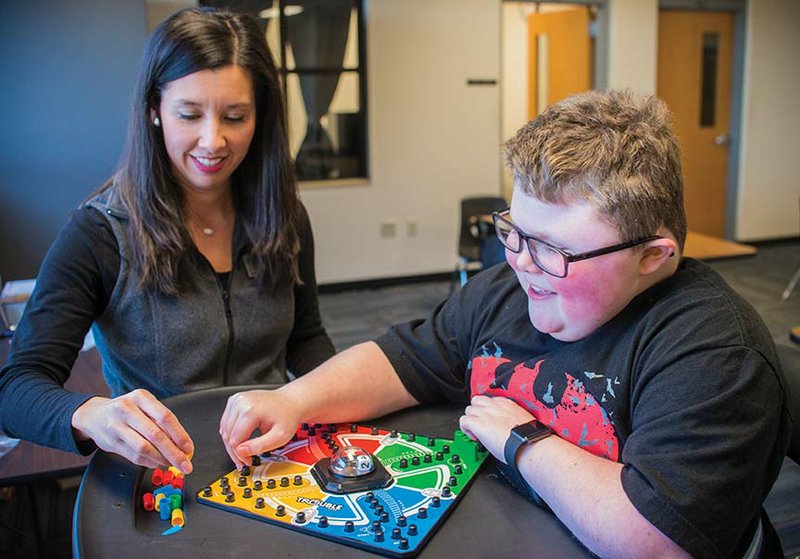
(594, 290)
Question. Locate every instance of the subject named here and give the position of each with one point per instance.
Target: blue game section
(428, 478)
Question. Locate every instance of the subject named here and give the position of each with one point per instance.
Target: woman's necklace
(205, 229)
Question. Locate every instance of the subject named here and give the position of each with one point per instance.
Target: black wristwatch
(524, 434)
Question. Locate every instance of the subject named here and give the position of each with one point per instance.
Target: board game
(375, 489)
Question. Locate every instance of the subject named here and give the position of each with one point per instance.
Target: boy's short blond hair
(616, 150)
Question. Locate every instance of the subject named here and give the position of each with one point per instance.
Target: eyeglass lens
(547, 258)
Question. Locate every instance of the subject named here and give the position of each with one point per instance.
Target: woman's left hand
(490, 420)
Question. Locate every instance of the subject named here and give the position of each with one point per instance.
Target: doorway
(694, 77)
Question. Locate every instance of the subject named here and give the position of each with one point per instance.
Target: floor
(355, 316)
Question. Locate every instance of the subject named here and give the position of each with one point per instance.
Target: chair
(476, 237)
(790, 363)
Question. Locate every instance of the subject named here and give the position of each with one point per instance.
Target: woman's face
(208, 119)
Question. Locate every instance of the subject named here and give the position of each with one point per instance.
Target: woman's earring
(157, 122)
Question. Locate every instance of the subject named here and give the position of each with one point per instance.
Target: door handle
(722, 140)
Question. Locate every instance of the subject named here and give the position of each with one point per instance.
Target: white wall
(514, 91)
(633, 44)
(769, 170)
(433, 140)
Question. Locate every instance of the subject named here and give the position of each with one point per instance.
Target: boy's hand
(269, 411)
(137, 427)
(490, 420)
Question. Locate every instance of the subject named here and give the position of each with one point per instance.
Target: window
(319, 48)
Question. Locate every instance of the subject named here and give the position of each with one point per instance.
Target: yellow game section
(286, 496)
(277, 470)
(289, 498)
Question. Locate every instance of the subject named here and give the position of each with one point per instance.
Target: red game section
(379, 490)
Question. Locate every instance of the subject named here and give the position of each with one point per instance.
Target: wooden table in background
(704, 247)
(29, 462)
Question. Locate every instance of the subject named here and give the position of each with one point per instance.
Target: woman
(194, 263)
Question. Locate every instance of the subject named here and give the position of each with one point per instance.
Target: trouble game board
(324, 483)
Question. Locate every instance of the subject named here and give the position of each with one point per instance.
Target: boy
(639, 397)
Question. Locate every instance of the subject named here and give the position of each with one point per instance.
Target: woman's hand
(274, 414)
(137, 427)
(490, 420)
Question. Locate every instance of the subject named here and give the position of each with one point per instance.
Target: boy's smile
(594, 290)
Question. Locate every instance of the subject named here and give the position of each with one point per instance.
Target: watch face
(531, 430)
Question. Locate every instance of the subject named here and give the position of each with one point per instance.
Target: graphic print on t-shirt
(556, 398)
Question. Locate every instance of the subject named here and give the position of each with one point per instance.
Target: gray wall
(68, 69)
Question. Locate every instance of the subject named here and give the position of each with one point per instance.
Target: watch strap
(510, 471)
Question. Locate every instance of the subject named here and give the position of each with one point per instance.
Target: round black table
(492, 520)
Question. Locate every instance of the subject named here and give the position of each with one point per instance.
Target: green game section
(393, 453)
(467, 449)
(422, 480)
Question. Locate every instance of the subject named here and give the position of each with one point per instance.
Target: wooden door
(559, 56)
(695, 53)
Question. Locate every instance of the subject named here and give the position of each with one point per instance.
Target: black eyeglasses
(551, 259)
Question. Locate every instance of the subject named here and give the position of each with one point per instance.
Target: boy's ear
(657, 254)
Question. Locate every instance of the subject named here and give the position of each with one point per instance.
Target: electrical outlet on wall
(388, 229)
(412, 228)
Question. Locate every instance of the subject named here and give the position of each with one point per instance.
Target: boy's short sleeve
(431, 356)
(706, 424)
(427, 354)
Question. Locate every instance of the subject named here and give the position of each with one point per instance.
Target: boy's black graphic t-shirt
(682, 387)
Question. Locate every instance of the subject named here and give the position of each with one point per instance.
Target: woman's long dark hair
(264, 186)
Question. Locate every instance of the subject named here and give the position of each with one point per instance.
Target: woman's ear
(154, 118)
(657, 254)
